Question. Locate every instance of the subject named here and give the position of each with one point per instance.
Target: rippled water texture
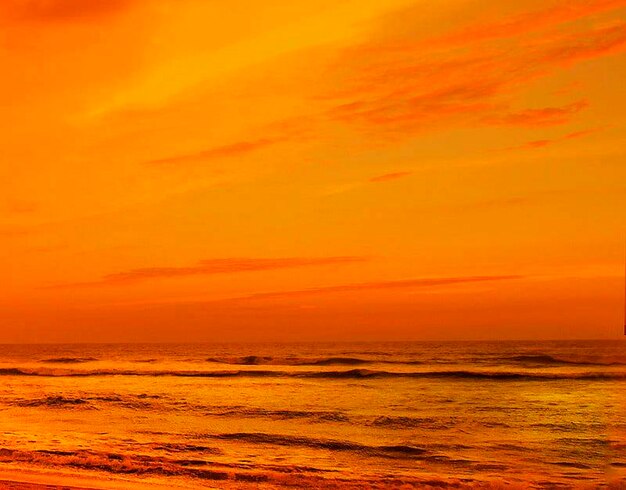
(325, 415)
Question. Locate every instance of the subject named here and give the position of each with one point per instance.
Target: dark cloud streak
(213, 267)
(382, 285)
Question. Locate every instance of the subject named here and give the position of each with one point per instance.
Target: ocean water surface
(362, 415)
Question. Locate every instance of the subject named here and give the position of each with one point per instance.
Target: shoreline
(35, 479)
(16, 485)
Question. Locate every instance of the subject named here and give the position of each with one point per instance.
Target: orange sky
(181, 170)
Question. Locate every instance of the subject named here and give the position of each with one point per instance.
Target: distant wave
(392, 451)
(86, 402)
(294, 361)
(351, 361)
(348, 374)
(173, 447)
(16, 372)
(464, 374)
(173, 462)
(149, 402)
(400, 422)
(254, 360)
(285, 414)
(69, 360)
(244, 361)
(143, 402)
(339, 361)
(52, 401)
(548, 359)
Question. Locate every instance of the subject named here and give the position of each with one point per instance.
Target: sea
(549, 414)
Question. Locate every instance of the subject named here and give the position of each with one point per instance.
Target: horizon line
(395, 341)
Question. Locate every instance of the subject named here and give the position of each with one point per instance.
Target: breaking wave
(174, 462)
(394, 451)
(135, 402)
(347, 374)
(242, 411)
(53, 402)
(465, 374)
(548, 359)
(530, 359)
(295, 361)
(69, 360)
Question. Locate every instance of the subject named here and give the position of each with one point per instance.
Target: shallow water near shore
(381, 415)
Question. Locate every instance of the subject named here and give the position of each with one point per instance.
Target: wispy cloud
(10, 232)
(357, 184)
(62, 10)
(21, 207)
(580, 134)
(504, 202)
(382, 285)
(215, 266)
(401, 88)
(536, 144)
(397, 88)
(592, 44)
(231, 150)
(546, 116)
(389, 176)
(533, 144)
(529, 21)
